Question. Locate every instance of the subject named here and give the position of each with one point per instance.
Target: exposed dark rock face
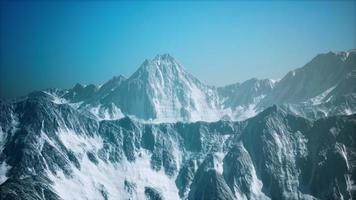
(81, 144)
(275, 155)
(152, 194)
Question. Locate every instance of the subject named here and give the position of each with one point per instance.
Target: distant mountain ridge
(317, 76)
(162, 91)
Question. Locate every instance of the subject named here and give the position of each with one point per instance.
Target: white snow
(348, 111)
(79, 144)
(342, 150)
(88, 182)
(350, 184)
(255, 185)
(56, 99)
(242, 112)
(76, 105)
(274, 81)
(175, 95)
(218, 162)
(321, 97)
(345, 54)
(286, 148)
(4, 168)
(103, 113)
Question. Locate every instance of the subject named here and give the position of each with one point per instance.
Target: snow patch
(76, 105)
(348, 111)
(93, 181)
(56, 99)
(79, 143)
(218, 162)
(106, 113)
(4, 168)
(321, 97)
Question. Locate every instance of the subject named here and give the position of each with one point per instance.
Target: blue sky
(59, 44)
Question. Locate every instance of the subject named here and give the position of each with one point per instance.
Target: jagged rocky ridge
(99, 142)
(50, 150)
(162, 91)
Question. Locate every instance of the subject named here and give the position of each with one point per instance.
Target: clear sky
(59, 44)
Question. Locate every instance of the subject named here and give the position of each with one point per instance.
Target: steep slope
(91, 93)
(323, 87)
(80, 93)
(161, 89)
(55, 146)
(276, 143)
(242, 99)
(322, 73)
(50, 150)
(248, 92)
(329, 171)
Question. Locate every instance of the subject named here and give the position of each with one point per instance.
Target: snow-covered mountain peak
(163, 71)
(110, 142)
(163, 64)
(170, 93)
(161, 90)
(164, 57)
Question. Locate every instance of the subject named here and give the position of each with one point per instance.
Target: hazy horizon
(59, 44)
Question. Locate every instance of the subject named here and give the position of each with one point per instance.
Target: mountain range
(162, 91)
(163, 134)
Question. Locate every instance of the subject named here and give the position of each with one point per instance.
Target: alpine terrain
(163, 134)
